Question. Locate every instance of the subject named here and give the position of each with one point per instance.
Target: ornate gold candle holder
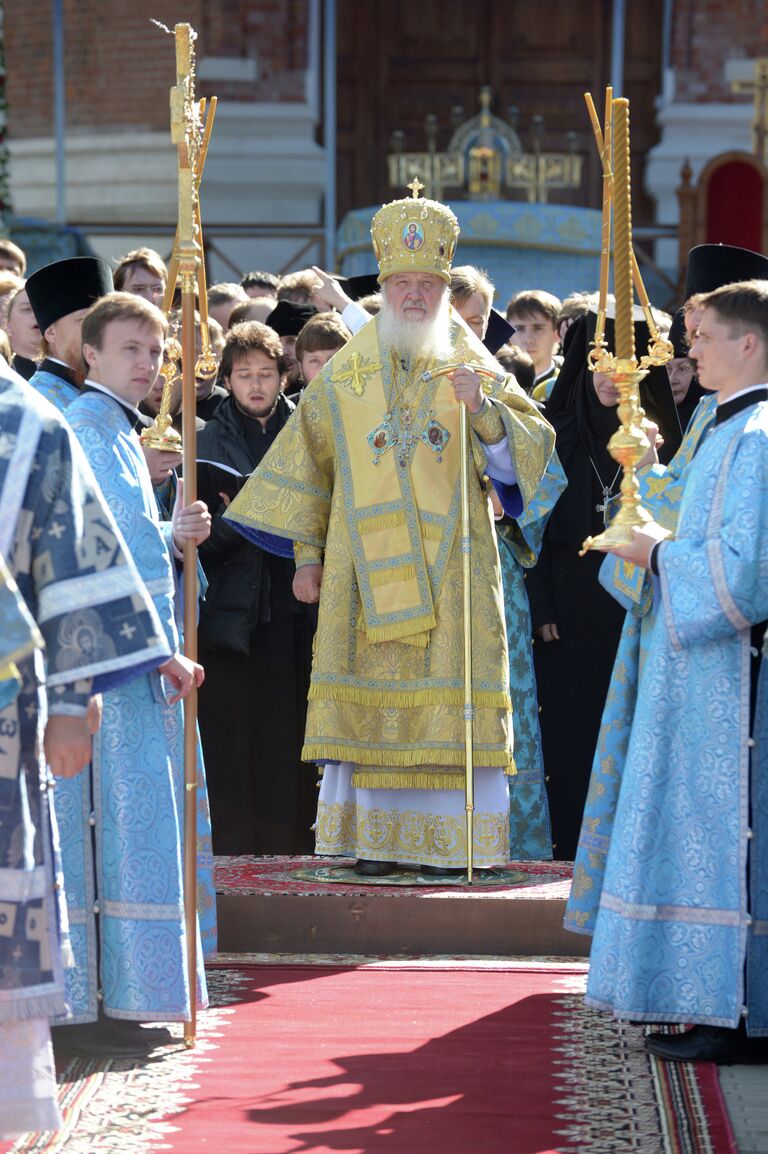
(629, 443)
(161, 433)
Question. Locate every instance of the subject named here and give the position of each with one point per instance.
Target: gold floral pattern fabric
(423, 827)
(398, 701)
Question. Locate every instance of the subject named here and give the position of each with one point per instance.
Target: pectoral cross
(606, 501)
(406, 440)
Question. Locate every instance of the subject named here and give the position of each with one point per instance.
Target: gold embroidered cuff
(306, 554)
(487, 423)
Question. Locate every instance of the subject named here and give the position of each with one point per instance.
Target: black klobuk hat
(66, 286)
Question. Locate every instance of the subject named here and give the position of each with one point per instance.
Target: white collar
(741, 393)
(120, 400)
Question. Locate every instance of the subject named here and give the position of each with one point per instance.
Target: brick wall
(273, 32)
(706, 33)
(119, 67)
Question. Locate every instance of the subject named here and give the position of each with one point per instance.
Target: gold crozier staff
(185, 132)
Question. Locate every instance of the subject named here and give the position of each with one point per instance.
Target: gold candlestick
(629, 443)
(622, 234)
(604, 144)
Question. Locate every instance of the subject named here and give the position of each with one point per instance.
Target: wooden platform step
(314, 905)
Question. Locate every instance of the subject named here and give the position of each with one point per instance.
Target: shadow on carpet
(393, 1059)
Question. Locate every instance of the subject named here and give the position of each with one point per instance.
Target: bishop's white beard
(422, 338)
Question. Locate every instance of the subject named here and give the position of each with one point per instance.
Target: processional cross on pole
(758, 86)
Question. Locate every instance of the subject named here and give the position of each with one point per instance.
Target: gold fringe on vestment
(408, 698)
(381, 577)
(409, 759)
(381, 521)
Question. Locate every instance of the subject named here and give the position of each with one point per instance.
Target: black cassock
(255, 642)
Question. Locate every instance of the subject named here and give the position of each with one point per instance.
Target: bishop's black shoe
(709, 1044)
(374, 869)
(439, 871)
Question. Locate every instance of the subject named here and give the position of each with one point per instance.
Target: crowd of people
(616, 706)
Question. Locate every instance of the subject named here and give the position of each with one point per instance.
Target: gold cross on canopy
(415, 187)
(758, 86)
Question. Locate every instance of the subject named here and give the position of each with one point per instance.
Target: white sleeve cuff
(499, 463)
(354, 317)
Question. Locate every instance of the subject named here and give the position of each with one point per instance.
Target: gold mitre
(414, 235)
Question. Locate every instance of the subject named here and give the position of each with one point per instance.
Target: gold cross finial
(415, 187)
(757, 85)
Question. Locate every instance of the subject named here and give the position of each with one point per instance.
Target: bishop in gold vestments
(364, 480)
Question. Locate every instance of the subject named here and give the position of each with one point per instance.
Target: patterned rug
(270, 876)
(393, 1058)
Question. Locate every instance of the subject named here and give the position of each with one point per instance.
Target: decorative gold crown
(414, 235)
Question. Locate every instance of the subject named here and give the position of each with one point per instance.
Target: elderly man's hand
(328, 294)
(467, 387)
(307, 582)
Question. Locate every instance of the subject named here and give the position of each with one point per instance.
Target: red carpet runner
(396, 1059)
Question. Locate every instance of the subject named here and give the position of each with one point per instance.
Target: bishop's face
(414, 296)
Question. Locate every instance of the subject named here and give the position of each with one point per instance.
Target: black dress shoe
(708, 1044)
(438, 871)
(150, 1034)
(97, 1040)
(374, 869)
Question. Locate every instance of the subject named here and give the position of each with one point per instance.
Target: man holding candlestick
(679, 935)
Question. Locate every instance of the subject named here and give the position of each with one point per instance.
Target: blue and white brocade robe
(530, 833)
(676, 922)
(661, 489)
(58, 391)
(130, 873)
(82, 589)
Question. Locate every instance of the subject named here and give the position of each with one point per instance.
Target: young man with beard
(365, 480)
(255, 636)
(61, 294)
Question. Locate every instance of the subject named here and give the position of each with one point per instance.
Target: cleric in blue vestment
(131, 966)
(82, 597)
(680, 934)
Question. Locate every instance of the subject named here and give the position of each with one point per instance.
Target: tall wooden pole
(184, 131)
